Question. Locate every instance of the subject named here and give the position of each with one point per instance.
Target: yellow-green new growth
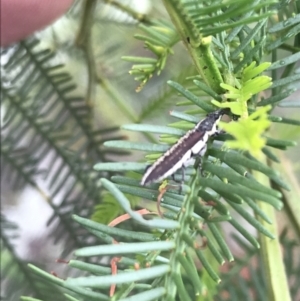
(246, 88)
(248, 132)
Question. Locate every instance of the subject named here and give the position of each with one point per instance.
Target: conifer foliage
(162, 241)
